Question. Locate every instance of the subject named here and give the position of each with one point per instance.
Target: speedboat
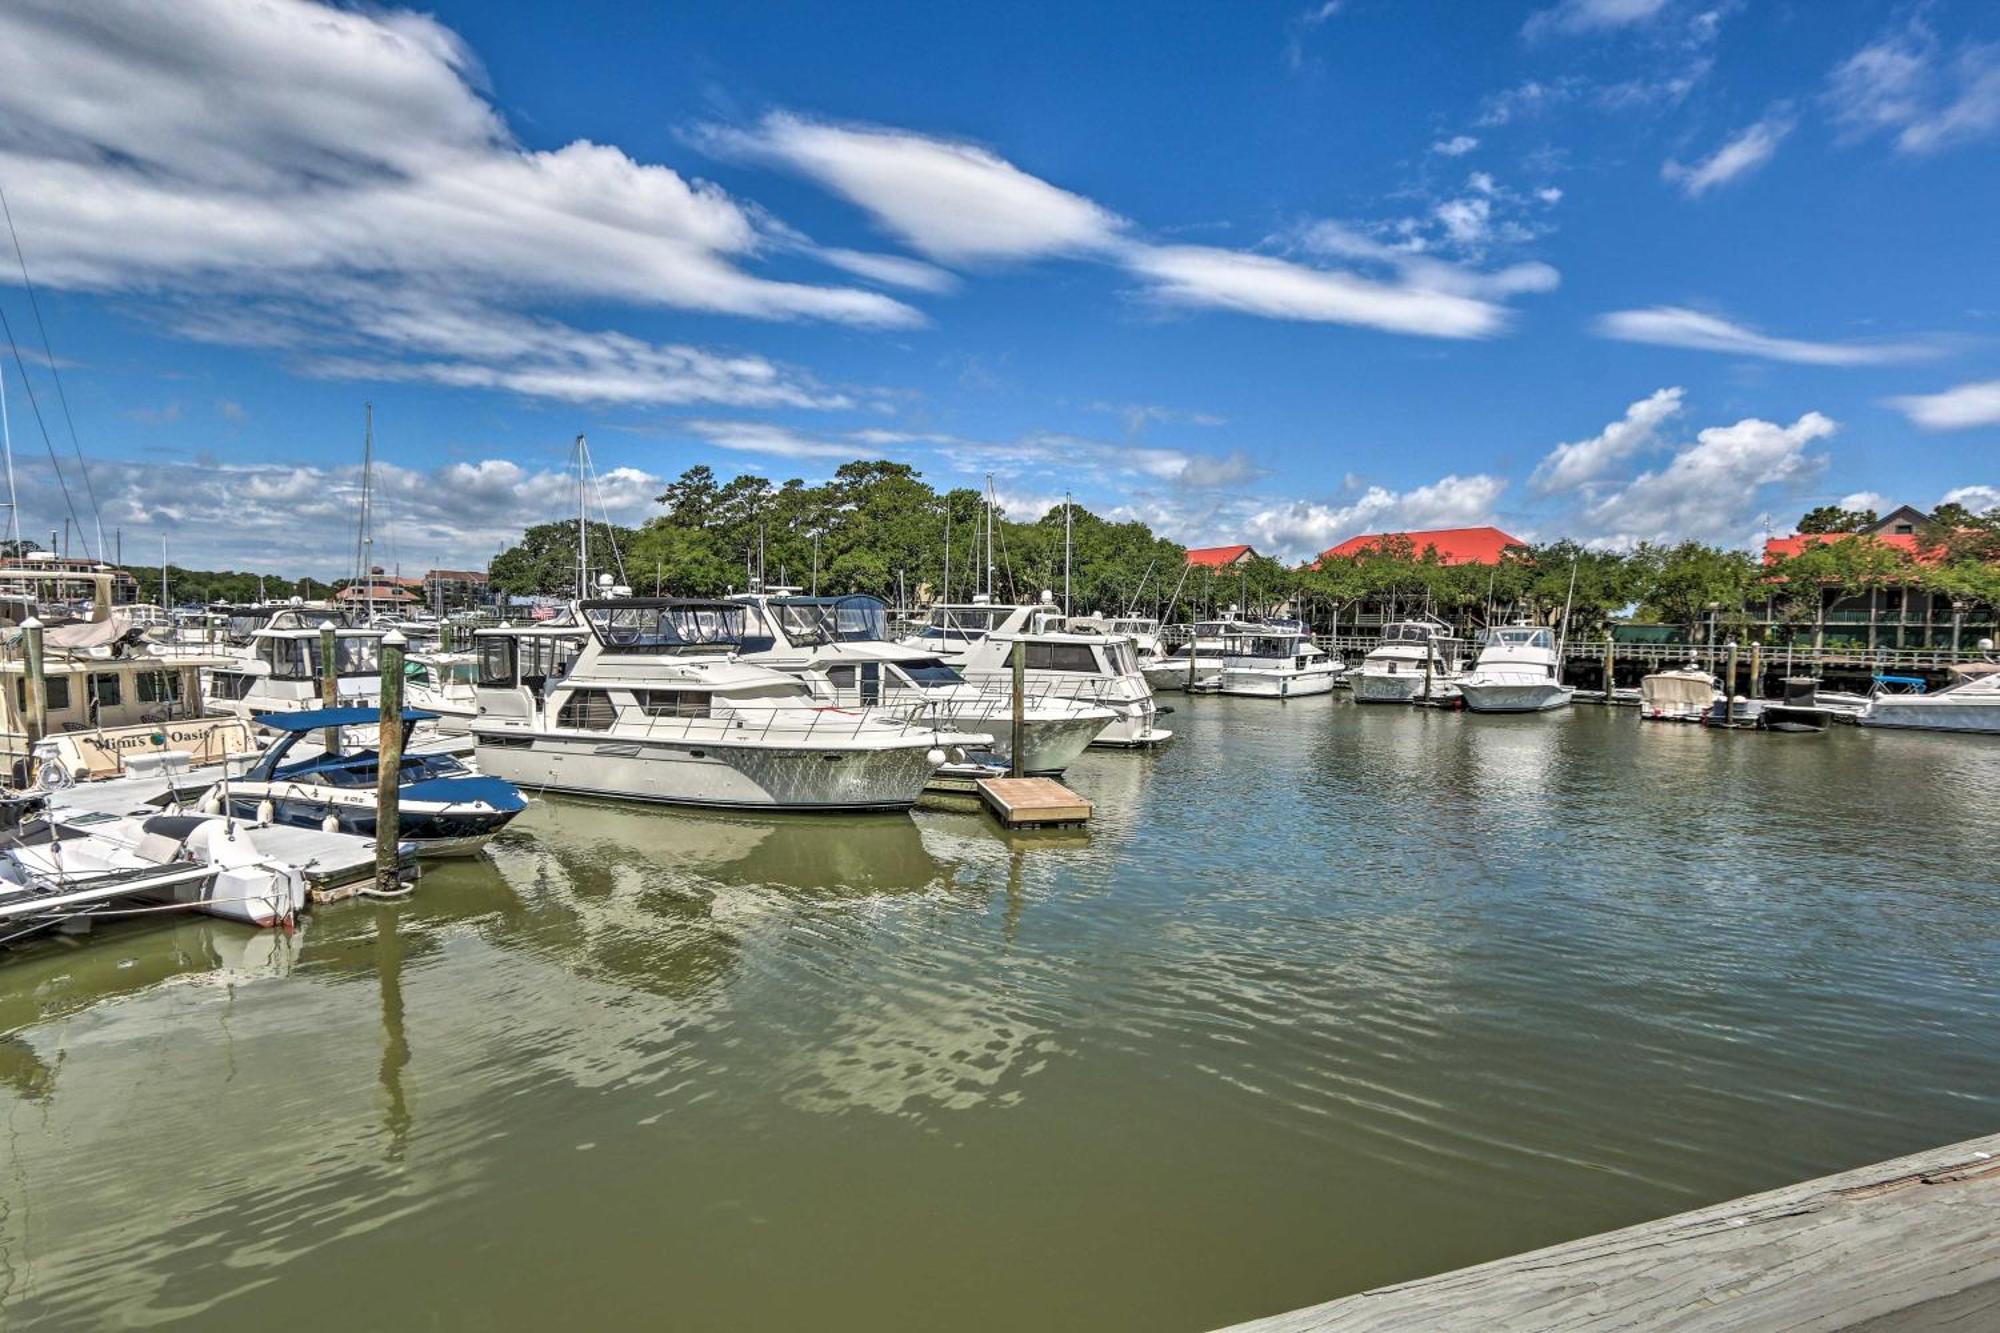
(838, 646)
(444, 808)
(1273, 662)
(1970, 703)
(644, 699)
(1414, 660)
(1686, 694)
(1519, 671)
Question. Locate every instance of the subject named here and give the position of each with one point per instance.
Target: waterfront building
(1215, 559)
(1891, 611)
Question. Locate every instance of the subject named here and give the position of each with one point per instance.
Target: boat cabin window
(930, 671)
(543, 658)
(108, 690)
(229, 684)
(1119, 657)
(587, 710)
(159, 687)
(1522, 637)
(58, 693)
(672, 703)
(866, 678)
(840, 620)
(777, 692)
(496, 662)
(299, 658)
(1407, 634)
(1061, 657)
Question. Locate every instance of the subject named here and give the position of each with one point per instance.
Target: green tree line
(877, 527)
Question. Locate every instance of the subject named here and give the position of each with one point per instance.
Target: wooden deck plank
(1905, 1244)
(1027, 802)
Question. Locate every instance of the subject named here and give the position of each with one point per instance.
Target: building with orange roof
(1454, 546)
(1218, 557)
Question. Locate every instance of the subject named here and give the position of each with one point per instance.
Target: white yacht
(1203, 639)
(278, 670)
(1097, 669)
(1273, 661)
(1971, 703)
(1415, 659)
(1687, 694)
(642, 699)
(446, 684)
(839, 647)
(1519, 671)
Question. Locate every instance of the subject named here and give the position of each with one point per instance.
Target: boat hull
(1396, 687)
(1503, 697)
(710, 773)
(1252, 683)
(1916, 712)
(430, 830)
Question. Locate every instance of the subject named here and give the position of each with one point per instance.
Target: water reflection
(1348, 993)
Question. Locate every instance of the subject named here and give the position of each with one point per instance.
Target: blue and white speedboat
(445, 808)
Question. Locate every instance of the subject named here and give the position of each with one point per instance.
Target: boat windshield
(1265, 645)
(1409, 632)
(1515, 636)
(664, 627)
(816, 622)
(298, 658)
(962, 624)
(930, 671)
(1118, 657)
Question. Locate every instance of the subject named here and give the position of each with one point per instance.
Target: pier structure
(1902, 1245)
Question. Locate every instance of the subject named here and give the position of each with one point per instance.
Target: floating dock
(1033, 803)
(1906, 1244)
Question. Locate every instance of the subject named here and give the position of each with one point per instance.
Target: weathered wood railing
(1905, 1244)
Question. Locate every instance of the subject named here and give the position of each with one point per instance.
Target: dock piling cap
(394, 639)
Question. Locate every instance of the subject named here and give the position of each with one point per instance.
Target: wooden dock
(1033, 803)
(1904, 1245)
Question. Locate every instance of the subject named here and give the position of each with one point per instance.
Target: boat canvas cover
(315, 719)
(1676, 691)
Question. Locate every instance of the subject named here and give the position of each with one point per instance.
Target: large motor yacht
(643, 699)
(278, 665)
(1274, 661)
(839, 647)
(1415, 660)
(1519, 671)
(1091, 668)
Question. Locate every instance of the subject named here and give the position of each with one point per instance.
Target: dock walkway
(1908, 1244)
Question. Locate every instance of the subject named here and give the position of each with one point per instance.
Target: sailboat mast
(1066, 546)
(947, 549)
(7, 436)
(364, 538)
(582, 526)
(164, 603)
(989, 536)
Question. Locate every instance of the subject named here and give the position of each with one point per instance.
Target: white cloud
(295, 519)
(1979, 499)
(1526, 100)
(1578, 16)
(1456, 146)
(1280, 289)
(1901, 84)
(1301, 528)
(1975, 404)
(1874, 500)
(1569, 466)
(764, 437)
(956, 202)
(1466, 221)
(1715, 489)
(1744, 152)
(1677, 326)
(330, 161)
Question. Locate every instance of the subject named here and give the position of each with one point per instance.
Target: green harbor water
(1327, 997)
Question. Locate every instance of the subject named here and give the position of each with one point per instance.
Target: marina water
(1327, 997)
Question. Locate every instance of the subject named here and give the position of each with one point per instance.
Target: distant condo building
(1886, 613)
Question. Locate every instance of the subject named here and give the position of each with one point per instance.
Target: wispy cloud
(1578, 463)
(1677, 326)
(1581, 16)
(1740, 155)
(1959, 408)
(1716, 489)
(1903, 84)
(1299, 528)
(1458, 145)
(1300, 27)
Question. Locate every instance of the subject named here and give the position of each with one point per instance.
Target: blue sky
(1619, 269)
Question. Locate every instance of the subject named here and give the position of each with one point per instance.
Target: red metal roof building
(1784, 548)
(1218, 557)
(1454, 546)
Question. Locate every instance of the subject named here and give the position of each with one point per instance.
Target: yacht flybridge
(1415, 659)
(642, 699)
(839, 647)
(1097, 669)
(1275, 661)
(278, 666)
(1519, 671)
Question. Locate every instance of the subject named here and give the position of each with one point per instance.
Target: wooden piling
(37, 680)
(1018, 738)
(1905, 1244)
(1756, 671)
(329, 682)
(389, 767)
(1610, 668)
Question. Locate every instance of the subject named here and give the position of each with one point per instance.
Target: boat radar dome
(1047, 596)
(604, 580)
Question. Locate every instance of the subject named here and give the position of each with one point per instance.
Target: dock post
(1610, 668)
(1193, 652)
(1427, 673)
(389, 765)
(1729, 689)
(1019, 740)
(329, 682)
(1756, 671)
(37, 683)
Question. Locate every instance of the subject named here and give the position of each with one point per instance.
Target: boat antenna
(582, 529)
